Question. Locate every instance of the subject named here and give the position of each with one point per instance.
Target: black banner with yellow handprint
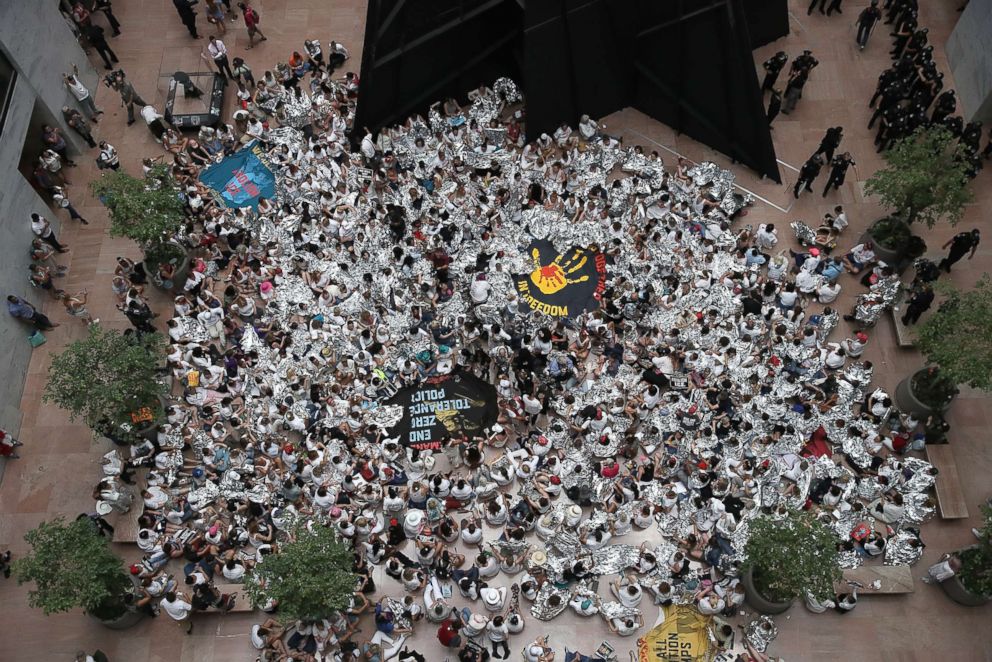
(564, 284)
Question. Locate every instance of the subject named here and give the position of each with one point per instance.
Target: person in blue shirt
(21, 309)
(831, 269)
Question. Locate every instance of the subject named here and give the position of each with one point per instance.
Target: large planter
(898, 257)
(182, 270)
(149, 430)
(909, 402)
(956, 591)
(122, 622)
(758, 601)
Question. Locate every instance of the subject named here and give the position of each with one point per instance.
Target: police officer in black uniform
(838, 171)
(773, 66)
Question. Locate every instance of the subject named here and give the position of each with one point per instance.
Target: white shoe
(977, 534)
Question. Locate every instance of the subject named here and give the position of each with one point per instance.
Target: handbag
(37, 339)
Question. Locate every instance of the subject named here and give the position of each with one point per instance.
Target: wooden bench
(893, 579)
(126, 527)
(904, 338)
(242, 604)
(950, 499)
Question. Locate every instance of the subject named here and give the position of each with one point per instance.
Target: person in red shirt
(251, 22)
(610, 469)
(448, 635)
(8, 445)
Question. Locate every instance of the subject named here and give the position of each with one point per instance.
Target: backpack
(255, 16)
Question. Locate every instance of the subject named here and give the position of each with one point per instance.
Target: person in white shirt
(855, 346)
(766, 237)
(835, 358)
(497, 632)
(218, 53)
(81, 93)
(108, 156)
(178, 608)
(861, 256)
(479, 289)
(827, 292)
(624, 627)
(839, 220)
(587, 128)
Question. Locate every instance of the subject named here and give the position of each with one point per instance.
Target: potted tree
(110, 381)
(151, 212)
(72, 566)
(956, 343)
(310, 577)
(972, 585)
(925, 180)
(788, 557)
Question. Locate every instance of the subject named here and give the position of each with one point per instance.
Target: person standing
(75, 120)
(94, 34)
(774, 106)
(807, 174)
(838, 171)
(251, 22)
(830, 142)
(81, 94)
(946, 104)
(108, 11)
(960, 244)
(218, 52)
(773, 66)
(129, 96)
(794, 90)
(187, 16)
(53, 139)
(178, 608)
(812, 6)
(109, 158)
(834, 7)
(61, 200)
(866, 23)
(918, 303)
(52, 163)
(805, 62)
(21, 309)
(43, 230)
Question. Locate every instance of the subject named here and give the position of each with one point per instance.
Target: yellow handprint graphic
(554, 277)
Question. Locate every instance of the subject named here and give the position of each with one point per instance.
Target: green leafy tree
(791, 556)
(149, 210)
(72, 566)
(106, 376)
(310, 576)
(925, 178)
(958, 337)
(976, 562)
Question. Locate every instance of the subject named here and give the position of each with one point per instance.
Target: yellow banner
(681, 638)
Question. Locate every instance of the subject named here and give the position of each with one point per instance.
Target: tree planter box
(758, 601)
(896, 258)
(907, 401)
(122, 622)
(956, 591)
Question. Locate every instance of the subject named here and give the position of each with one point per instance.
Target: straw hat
(493, 597)
(414, 519)
(478, 622)
(538, 557)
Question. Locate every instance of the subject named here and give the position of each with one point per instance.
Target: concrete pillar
(969, 54)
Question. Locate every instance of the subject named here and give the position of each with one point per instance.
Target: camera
(114, 78)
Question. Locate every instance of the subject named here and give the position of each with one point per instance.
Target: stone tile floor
(59, 463)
